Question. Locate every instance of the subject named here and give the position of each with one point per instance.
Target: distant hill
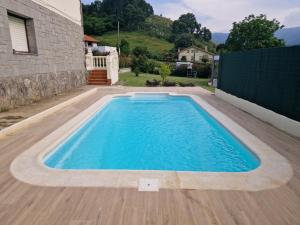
(219, 38)
(290, 35)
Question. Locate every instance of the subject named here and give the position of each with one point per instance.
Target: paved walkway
(23, 204)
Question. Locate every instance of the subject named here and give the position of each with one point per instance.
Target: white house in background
(194, 54)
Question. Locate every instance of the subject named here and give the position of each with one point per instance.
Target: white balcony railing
(96, 62)
(109, 63)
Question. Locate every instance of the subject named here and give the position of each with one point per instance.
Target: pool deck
(24, 204)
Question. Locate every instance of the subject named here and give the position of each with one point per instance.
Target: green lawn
(155, 45)
(129, 79)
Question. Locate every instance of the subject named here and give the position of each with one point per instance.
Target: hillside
(291, 36)
(155, 45)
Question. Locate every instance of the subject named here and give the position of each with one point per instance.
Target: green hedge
(267, 77)
(203, 70)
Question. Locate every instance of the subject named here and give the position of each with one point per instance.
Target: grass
(155, 45)
(129, 79)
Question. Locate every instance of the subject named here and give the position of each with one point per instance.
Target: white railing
(109, 63)
(96, 62)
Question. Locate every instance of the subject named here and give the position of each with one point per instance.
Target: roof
(89, 39)
(194, 47)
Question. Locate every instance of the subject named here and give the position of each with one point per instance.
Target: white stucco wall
(283, 123)
(70, 9)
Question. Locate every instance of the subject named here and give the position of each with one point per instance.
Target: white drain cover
(146, 184)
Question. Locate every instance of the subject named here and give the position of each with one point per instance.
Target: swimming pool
(152, 132)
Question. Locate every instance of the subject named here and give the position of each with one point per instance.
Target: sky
(218, 15)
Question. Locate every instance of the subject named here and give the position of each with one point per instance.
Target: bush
(153, 83)
(140, 63)
(169, 84)
(152, 67)
(180, 71)
(140, 51)
(164, 71)
(203, 70)
(136, 71)
(125, 47)
(186, 84)
(156, 56)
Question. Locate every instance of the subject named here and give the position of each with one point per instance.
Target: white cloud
(171, 10)
(292, 19)
(218, 15)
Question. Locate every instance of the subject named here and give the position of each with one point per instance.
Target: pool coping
(273, 171)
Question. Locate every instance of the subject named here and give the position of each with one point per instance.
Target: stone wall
(21, 90)
(56, 66)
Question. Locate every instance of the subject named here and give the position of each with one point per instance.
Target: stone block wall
(56, 66)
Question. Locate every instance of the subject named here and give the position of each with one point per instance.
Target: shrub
(153, 83)
(183, 58)
(180, 71)
(203, 70)
(186, 84)
(140, 51)
(152, 67)
(164, 71)
(125, 47)
(136, 71)
(140, 63)
(169, 84)
(156, 56)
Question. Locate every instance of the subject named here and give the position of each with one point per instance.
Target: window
(22, 34)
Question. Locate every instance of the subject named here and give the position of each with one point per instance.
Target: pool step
(98, 77)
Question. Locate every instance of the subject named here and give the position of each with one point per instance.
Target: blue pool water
(153, 132)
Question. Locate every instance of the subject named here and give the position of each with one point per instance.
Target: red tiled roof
(89, 39)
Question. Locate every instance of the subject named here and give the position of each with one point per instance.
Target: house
(41, 49)
(90, 41)
(194, 54)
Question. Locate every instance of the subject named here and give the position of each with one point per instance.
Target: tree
(186, 23)
(140, 51)
(205, 34)
(130, 13)
(205, 59)
(254, 32)
(96, 25)
(164, 71)
(158, 26)
(125, 47)
(184, 41)
(221, 48)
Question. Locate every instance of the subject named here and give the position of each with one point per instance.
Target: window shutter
(18, 34)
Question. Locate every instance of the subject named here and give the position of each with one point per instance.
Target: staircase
(98, 77)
